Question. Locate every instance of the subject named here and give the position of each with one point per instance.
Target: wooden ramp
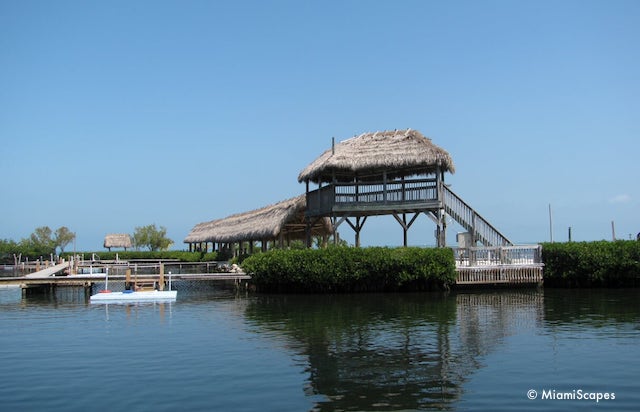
(48, 272)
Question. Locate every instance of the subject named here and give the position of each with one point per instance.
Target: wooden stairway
(469, 219)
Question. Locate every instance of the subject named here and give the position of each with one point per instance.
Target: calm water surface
(215, 350)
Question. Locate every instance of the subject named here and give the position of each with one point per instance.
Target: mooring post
(161, 281)
(87, 290)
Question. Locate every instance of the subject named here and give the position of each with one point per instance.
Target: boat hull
(154, 295)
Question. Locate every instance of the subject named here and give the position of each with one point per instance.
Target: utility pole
(550, 224)
(613, 230)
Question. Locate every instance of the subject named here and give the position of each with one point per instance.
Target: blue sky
(126, 113)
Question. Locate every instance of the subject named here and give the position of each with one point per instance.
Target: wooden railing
(498, 256)
(499, 265)
(356, 194)
(468, 218)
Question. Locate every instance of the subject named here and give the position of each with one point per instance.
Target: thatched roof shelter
(122, 240)
(283, 219)
(397, 153)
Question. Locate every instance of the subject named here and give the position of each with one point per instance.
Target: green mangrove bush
(149, 255)
(344, 269)
(592, 264)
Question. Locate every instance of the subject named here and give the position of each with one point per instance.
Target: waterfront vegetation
(346, 269)
(592, 264)
(177, 255)
(44, 243)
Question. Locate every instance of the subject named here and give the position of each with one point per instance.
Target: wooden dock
(50, 278)
(506, 265)
(75, 280)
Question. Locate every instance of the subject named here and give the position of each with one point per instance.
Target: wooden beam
(357, 227)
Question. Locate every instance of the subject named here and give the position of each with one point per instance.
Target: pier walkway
(82, 280)
(49, 271)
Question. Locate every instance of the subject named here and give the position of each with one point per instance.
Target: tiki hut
(281, 222)
(121, 240)
(397, 172)
(369, 156)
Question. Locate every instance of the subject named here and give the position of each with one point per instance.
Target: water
(215, 350)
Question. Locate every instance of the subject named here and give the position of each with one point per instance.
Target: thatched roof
(398, 152)
(261, 224)
(117, 240)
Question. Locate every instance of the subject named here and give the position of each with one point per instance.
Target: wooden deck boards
(48, 272)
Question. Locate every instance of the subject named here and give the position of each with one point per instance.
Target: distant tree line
(45, 242)
(42, 242)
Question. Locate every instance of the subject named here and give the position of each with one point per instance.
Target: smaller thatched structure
(122, 240)
(397, 153)
(282, 222)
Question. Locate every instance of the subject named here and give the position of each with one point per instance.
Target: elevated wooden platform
(399, 197)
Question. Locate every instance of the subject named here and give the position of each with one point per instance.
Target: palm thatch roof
(117, 240)
(284, 218)
(398, 152)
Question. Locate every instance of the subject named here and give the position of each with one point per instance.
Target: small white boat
(134, 296)
(134, 293)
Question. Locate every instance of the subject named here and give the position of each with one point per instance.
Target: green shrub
(592, 264)
(209, 257)
(139, 254)
(344, 269)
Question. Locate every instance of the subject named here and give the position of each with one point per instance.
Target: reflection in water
(400, 351)
(485, 319)
(134, 310)
(467, 351)
(588, 306)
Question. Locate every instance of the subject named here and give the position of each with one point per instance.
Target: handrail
(371, 192)
(481, 229)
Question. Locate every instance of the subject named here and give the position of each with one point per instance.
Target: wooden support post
(405, 225)
(307, 231)
(87, 289)
(384, 186)
(161, 279)
(127, 280)
(334, 229)
(405, 229)
(444, 228)
(357, 227)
